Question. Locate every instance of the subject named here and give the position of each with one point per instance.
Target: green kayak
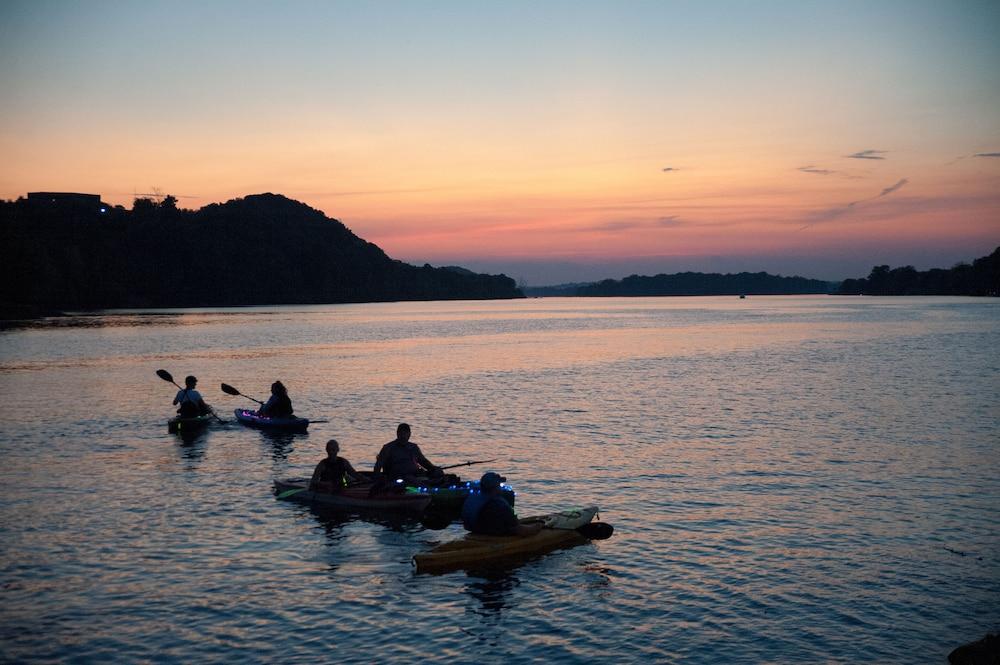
(451, 496)
(178, 424)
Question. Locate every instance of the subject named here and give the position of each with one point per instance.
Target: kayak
(352, 497)
(560, 529)
(178, 424)
(451, 497)
(252, 419)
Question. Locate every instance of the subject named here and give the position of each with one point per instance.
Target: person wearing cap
(488, 513)
(191, 402)
(333, 473)
(402, 459)
(278, 405)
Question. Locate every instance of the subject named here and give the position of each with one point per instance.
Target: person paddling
(190, 400)
(279, 405)
(489, 514)
(402, 459)
(333, 473)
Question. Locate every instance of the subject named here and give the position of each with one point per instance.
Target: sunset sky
(552, 141)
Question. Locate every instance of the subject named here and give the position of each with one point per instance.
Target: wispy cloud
(868, 154)
(840, 211)
(668, 169)
(619, 225)
(892, 188)
(987, 154)
(669, 222)
(817, 171)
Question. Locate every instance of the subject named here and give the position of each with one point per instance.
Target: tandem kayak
(561, 529)
(450, 497)
(353, 497)
(178, 424)
(253, 419)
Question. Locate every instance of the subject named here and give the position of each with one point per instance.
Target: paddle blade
(229, 390)
(165, 375)
(596, 530)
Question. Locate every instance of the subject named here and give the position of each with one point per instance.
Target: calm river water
(792, 480)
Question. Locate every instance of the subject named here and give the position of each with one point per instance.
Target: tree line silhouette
(704, 284)
(261, 249)
(982, 278)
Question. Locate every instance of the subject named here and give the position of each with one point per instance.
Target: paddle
(452, 466)
(229, 390)
(165, 375)
(294, 490)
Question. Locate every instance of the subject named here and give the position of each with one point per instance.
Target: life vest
(334, 472)
(472, 508)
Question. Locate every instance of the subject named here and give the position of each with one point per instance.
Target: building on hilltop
(67, 201)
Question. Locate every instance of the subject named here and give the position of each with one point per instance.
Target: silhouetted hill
(705, 284)
(982, 278)
(262, 249)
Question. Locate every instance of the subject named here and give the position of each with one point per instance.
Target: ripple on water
(793, 483)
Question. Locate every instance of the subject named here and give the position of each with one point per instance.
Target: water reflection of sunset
(760, 460)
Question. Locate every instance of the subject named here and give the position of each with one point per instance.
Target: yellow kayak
(565, 528)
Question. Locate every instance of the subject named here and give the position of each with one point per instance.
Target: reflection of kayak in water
(568, 527)
(353, 497)
(253, 419)
(178, 424)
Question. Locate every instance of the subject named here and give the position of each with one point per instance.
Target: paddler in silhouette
(401, 459)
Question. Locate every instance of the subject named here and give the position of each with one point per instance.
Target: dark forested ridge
(261, 249)
(982, 278)
(705, 284)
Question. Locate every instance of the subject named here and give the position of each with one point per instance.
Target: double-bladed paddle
(482, 461)
(229, 390)
(165, 375)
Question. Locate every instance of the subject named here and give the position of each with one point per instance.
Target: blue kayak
(253, 419)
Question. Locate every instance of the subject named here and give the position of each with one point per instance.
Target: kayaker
(278, 405)
(488, 513)
(191, 402)
(401, 458)
(333, 473)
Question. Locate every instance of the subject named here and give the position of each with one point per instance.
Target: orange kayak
(560, 530)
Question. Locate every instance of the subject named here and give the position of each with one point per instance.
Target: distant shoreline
(9, 315)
